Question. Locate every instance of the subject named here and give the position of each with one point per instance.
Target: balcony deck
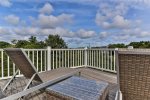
(98, 75)
(88, 73)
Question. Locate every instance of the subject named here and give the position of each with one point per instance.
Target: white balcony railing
(48, 59)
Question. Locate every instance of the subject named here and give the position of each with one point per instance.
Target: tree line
(141, 44)
(55, 41)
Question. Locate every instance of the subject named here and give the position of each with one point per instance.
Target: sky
(79, 22)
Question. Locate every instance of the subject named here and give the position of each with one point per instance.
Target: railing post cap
(85, 48)
(130, 47)
(116, 48)
(48, 47)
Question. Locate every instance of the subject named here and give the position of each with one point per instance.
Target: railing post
(130, 47)
(116, 49)
(115, 55)
(85, 56)
(48, 58)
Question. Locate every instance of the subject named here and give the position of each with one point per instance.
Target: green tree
(119, 45)
(14, 41)
(55, 42)
(33, 40)
(21, 43)
(32, 43)
(37, 45)
(4, 44)
(141, 44)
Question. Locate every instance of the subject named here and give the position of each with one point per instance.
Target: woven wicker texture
(78, 88)
(134, 76)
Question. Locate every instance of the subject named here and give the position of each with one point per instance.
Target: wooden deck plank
(89, 73)
(99, 75)
(53, 74)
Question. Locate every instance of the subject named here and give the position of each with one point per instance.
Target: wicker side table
(77, 88)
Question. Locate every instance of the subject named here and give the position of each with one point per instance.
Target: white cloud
(121, 38)
(28, 31)
(46, 20)
(24, 31)
(50, 21)
(5, 3)
(130, 34)
(103, 35)
(4, 31)
(144, 34)
(58, 30)
(100, 1)
(112, 16)
(85, 34)
(136, 32)
(12, 19)
(120, 22)
(67, 33)
(74, 40)
(46, 9)
(79, 42)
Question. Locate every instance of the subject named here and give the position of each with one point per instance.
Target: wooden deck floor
(89, 73)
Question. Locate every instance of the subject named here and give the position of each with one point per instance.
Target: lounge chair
(133, 74)
(24, 64)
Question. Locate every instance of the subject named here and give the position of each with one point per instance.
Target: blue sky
(79, 22)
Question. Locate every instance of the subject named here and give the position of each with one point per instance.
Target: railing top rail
(68, 49)
(34, 49)
(28, 49)
(102, 49)
(71, 49)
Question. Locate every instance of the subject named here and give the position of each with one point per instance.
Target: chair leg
(13, 77)
(30, 81)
